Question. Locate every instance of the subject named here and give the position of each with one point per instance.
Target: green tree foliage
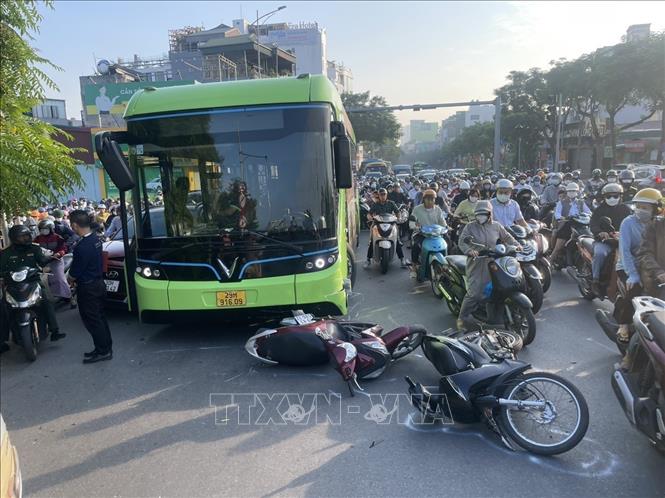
(33, 166)
(376, 129)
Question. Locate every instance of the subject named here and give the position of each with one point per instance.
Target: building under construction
(223, 53)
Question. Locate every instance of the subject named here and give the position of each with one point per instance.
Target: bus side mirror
(342, 158)
(111, 156)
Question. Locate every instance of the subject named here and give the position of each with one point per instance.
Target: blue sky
(409, 52)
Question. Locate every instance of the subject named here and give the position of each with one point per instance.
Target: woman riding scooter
(51, 241)
(569, 206)
(486, 232)
(427, 213)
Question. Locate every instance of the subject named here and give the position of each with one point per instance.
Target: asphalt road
(153, 421)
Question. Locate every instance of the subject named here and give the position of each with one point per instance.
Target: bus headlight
(320, 261)
(151, 272)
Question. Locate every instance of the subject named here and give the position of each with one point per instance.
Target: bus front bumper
(320, 293)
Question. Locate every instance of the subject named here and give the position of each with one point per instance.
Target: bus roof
(292, 90)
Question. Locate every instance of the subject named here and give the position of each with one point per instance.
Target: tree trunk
(4, 230)
(613, 139)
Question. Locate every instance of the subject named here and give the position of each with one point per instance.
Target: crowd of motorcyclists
(43, 237)
(485, 205)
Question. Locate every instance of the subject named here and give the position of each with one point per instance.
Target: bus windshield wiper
(276, 241)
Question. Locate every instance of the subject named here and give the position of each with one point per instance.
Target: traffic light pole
(497, 134)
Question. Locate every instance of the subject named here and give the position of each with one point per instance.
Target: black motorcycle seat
(442, 357)
(458, 262)
(656, 322)
(587, 243)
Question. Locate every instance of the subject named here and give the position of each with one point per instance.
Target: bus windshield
(265, 170)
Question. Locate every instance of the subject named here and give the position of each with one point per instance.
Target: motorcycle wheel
(547, 276)
(435, 271)
(408, 344)
(385, 260)
(586, 291)
(524, 323)
(535, 293)
(542, 431)
(351, 266)
(26, 336)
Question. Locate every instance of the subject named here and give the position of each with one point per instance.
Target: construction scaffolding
(178, 38)
(219, 68)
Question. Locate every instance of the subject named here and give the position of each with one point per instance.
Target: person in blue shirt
(506, 211)
(86, 273)
(646, 203)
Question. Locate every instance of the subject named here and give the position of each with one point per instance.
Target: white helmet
(504, 183)
(464, 185)
(572, 187)
(612, 188)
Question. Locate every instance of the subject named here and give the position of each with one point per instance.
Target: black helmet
(596, 173)
(46, 224)
(627, 176)
(20, 235)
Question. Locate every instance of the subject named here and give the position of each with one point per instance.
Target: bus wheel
(351, 265)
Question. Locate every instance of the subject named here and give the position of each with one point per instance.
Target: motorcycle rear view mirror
(606, 224)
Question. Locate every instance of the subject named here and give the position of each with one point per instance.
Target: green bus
(257, 210)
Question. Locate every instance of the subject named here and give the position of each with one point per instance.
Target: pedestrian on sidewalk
(86, 273)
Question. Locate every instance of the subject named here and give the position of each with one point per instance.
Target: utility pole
(497, 134)
(258, 51)
(558, 133)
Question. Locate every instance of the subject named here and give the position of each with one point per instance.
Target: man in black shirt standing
(86, 272)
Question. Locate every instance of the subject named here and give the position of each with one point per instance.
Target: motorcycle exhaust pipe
(607, 324)
(624, 394)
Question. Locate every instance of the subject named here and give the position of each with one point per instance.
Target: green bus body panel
(323, 286)
(182, 98)
(152, 294)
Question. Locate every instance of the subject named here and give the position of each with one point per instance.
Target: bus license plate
(226, 299)
(112, 285)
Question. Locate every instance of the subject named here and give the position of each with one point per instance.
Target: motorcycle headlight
(384, 226)
(19, 276)
(512, 267)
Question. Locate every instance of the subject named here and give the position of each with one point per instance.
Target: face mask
(612, 201)
(644, 215)
(556, 182)
(612, 179)
(473, 199)
(487, 187)
(522, 182)
(526, 200)
(45, 231)
(626, 182)
(482, 218)
(503, 198)
(571, 195)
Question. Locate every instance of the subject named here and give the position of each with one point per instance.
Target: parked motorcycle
(540, 412)
(527, 258)
(581, 272)
(23, 297)
(641, 390)
(432, 255)
(505, 302)
(305, 341)
(384, 236)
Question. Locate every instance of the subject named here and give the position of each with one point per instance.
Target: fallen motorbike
(505, 302)
(581, 272)
(641, 389)
(540, 234)
(432, 255)
(527, 258)
(23, 296)
(540, 412)
(305, 341)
